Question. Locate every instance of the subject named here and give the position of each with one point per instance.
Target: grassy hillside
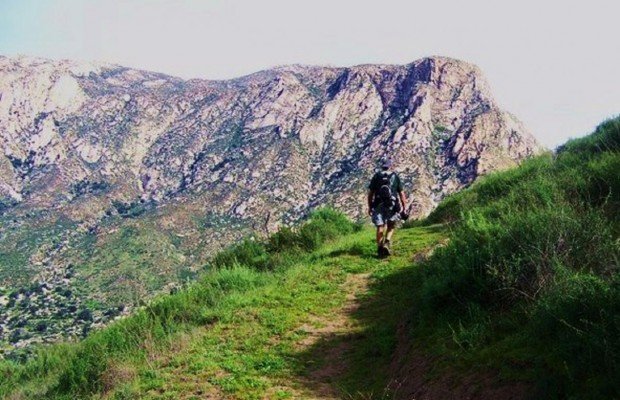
(529, 282)
(60, 279)
(262, 323)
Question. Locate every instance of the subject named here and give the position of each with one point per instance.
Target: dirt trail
(413, 372)
(317, 385)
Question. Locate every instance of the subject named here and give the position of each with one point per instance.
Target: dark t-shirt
(395, 183)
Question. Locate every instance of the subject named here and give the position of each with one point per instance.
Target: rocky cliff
(276, 142)
(83, 144)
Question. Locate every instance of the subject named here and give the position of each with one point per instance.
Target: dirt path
(413, 373)
(334, 328)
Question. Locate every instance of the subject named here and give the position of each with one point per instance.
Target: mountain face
(276, 142)
(88, 147)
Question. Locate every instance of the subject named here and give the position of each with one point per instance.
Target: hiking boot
(386, 248)
(381, 252)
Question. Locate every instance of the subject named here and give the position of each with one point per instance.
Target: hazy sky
(555, 64)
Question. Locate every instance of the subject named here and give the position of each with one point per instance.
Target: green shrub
(322, 225)
(248, 252)
(284, 239)
(335, 219)
(313, 234)
(132, 209)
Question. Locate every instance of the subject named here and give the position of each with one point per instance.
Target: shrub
(284, 239)
(248, 252)
(41, 326)
(132, 209)
(322, 225)
(336, 219)
(85, 315)
(313, 234)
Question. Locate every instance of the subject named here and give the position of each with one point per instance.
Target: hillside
(528, 284)
(514, 294)
(118, 184)
(243, 333)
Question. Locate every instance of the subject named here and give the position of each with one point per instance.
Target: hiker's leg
(380, 230)
(387, 245)
(390, 231)
(381, 251)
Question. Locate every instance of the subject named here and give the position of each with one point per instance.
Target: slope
(521, 300)
(529, 284)
(296, 331)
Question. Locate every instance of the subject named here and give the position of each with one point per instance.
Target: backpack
(385, 195)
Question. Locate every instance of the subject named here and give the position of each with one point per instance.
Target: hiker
(386, 205)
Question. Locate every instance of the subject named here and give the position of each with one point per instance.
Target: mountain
(287, 138)
(116, 180)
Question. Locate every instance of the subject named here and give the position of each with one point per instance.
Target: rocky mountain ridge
(69, 129)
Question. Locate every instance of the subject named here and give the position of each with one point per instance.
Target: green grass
(236, 331)
(380, 311)
(529, 281)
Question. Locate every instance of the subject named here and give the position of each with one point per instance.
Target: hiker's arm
(403, 199)
(371, 196)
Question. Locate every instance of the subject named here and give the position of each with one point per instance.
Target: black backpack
(385, 195)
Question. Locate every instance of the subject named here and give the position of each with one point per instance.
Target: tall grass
(533, 257)
(323, 224)
(78, 369)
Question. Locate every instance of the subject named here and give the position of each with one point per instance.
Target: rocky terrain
(116, 183)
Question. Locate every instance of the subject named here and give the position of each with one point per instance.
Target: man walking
(386, 203)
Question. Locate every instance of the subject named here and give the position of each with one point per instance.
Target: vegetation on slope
(237, 331)
(529, 281)
(61, 279)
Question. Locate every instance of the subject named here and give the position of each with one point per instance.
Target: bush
(313, 234)
(335, 219)
(85, 315)
(133, 209)
(41, 326)
(249, 252)
(284, 239)
(322, 225)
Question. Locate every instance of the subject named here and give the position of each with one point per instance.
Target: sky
(554, 64)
